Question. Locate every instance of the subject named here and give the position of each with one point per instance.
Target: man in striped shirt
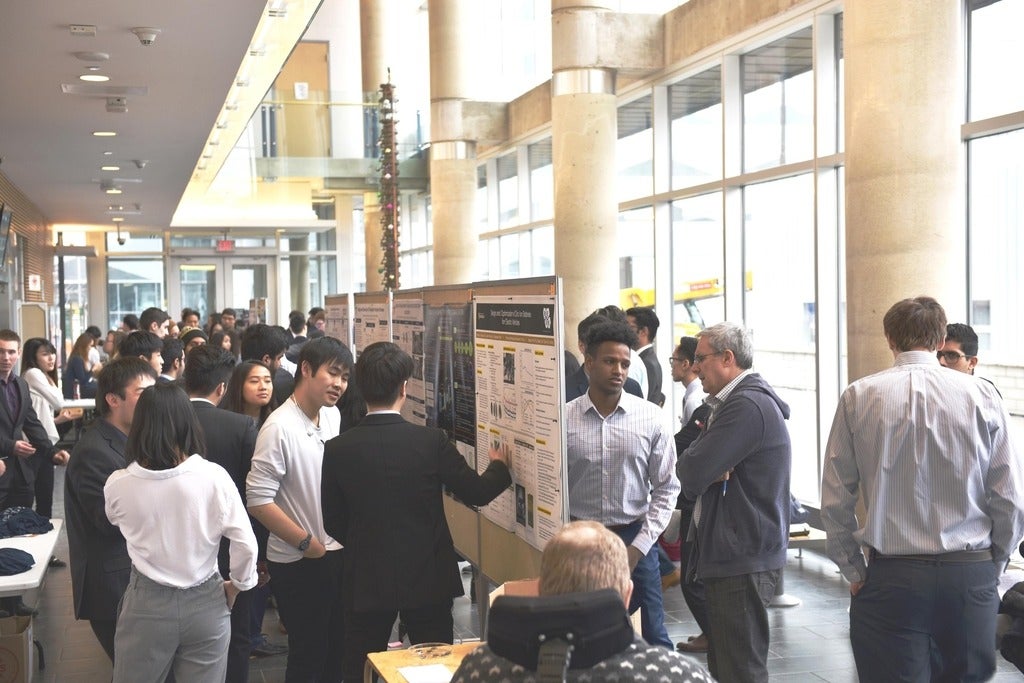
(621, 467)
(929, 453)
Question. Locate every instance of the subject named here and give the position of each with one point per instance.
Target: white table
(40, 547)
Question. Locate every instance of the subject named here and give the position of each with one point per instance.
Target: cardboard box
(527, 587)
(17, 661)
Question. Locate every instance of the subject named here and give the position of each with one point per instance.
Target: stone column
(299, 270)
(584, 131)
(905, 218)
(372, 20)
(452, 156)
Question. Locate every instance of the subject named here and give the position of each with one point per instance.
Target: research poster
(370, 324)
(337, 323)
(449, 377)
(518, 408)
(407, 332)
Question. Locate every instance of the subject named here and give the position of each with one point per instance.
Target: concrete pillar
(452, 156)
(905, 219)
(299, 269)
(584, 130)
(373, 17)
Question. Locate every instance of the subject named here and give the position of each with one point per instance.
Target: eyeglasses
(950, 356)
(700, 357)
(673, 359)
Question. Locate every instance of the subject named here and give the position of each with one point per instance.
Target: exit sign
(225, 245)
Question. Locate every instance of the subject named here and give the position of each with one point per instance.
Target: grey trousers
(181, 630)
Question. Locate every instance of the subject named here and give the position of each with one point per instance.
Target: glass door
(210, 285)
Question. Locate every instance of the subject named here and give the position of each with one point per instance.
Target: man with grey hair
(737, 472)
(929, 454)
(581, 558)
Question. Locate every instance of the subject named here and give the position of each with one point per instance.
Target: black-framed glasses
(950, 356)
(700, 357)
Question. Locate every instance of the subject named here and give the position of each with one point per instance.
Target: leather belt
(983, 555)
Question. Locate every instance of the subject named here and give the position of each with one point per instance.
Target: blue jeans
(647, 595)
(917, 620)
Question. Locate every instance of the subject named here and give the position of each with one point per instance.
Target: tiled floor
(809, 642)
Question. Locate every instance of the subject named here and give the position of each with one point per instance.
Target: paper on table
(428, 673)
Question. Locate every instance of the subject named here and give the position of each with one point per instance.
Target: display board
(371, 319)
(338, 324)
(407, 333)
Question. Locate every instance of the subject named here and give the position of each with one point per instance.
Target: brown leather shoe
(671, 580)
(697, 645)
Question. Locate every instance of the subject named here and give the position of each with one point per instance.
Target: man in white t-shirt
(283, 493)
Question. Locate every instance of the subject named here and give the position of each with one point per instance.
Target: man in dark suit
(23, 440)
(577, 383)
(230, 441)
(382, 498)
(645, 323)
(100, 565)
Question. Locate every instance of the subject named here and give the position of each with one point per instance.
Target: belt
(983, 555)
(613, 527)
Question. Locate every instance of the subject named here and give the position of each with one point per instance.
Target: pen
(725, 486)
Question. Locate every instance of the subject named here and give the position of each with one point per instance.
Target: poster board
(338, 308)
(407, 332)
(371, 319)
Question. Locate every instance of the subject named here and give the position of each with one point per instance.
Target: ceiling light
(92, 56)
(94, 78)
(115, 207)
(242, 82)
(108, 154)
(201, 167)
(207, 155)
(92, 67)
(104, 133)
(221, 125)
(118, 219)
(113, 190)
(231, 106)
(110, 168)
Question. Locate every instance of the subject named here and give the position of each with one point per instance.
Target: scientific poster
(370, 324)
(449, 378)
(407, 332)
(337, 324)
(518, 407)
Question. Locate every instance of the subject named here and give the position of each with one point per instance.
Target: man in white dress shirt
(929, 453)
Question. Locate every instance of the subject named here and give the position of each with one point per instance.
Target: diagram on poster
(448, 373)
(518, 394)
(407, 332)
(370, 324)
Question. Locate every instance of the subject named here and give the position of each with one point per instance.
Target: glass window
(779, 309)
(695, 107)
(636, 257)
(133, 285)
(698, 264)
(543, 251)
(634, 153)
(542, 180)
(996, 42)
(508, 191)
(778, 102)
(482, 206)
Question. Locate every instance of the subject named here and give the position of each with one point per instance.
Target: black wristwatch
(304, 545)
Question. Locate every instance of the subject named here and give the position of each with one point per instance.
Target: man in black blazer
(230, 441)
(23, 440)
(382, 499)
(100, 566)
(645, 323)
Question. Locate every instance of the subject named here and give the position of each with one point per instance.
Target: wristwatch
(303, 546)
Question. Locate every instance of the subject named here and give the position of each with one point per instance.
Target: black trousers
(367, 632)
(308, 596)
(44, 489)
(104, 630)
(692, 587)
(240, 644)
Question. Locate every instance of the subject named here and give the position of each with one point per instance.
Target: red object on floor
(672, 549)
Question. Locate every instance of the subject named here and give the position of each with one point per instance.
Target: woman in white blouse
(173, 508)
(39, 369)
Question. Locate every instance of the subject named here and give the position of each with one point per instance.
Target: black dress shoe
(267, 649)
(23, 610)
(56, 562)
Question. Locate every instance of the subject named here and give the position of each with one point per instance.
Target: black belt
(613, 527)
(983, 555)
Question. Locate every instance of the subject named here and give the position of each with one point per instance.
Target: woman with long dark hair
(173, 508)
(78, 371)
(250, 391)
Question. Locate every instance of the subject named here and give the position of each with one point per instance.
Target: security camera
(147, 35)
(121, 240)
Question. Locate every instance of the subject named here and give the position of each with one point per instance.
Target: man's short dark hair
(152, 315)
(206, 366)
(115, 377)
(645, 317)
(609, 331)
(10, 336)
(918, 323)
(186, 312)
(94, 331)
(323, 351)
(613, 313)
(590, 322)
(229, 311)
(170, 351)
(142, 343)
(131, 321)
(688, 348)
(296, 321)
(382, 369)
(261, 340)
(965, 336)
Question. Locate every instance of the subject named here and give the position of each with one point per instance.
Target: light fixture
(118, 219)
(113, 190)
(110, 168)
(231, 106)
(109, 187)
(94, 78)
(104, 133)
(242, 82)
(108, 153)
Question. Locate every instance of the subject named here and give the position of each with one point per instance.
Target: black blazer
(650, 358)
(382, 499)
(230, 441)
(100, 566)
(21, 472)
(578, 383)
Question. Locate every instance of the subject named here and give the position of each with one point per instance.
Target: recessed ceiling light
(113, 190)
(110, 168)
(118, 219)
(104, 133)
(108, 153)
(94, 78)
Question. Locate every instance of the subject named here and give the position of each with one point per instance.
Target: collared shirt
(621, 467)
(929, 450)
(692, 399)
(638, 371)
(12, 394)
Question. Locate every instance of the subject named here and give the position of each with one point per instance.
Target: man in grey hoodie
(737, 471)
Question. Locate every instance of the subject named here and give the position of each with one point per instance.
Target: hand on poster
(501, 451)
